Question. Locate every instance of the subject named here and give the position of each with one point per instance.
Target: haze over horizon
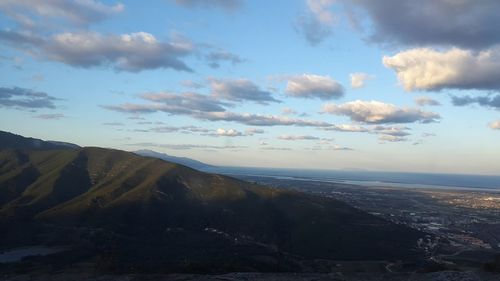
(318, 84)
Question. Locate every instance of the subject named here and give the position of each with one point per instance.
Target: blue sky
(260, 83)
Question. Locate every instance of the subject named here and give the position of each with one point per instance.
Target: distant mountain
(120, 212)
(195, 164)
(13, 141)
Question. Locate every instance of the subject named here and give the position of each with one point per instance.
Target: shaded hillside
(191, 163)
(133, 213)
(13, 141)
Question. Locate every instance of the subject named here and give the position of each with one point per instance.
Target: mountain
(116, 211)
(13, 141)
(195, 164)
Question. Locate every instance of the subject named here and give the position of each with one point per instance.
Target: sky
(389, 85)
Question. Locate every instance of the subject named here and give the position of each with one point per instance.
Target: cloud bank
(376, 112)
(314, 86)
(430, 70)
(21, 98)
(131, 52)
(240, 90)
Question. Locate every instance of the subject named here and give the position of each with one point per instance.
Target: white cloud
(295, 138)
(423, 101)
(78, 11)
(314, 86)
(358, 79)
(253, 131)
(390, 138)
(228, 133)
(240, 90)
(427, 69)
(495, 125)
(346, 128)
(128, 52)
(396, 131)
(258, 119)
(376, 112)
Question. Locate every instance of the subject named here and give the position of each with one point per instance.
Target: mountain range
(188, 162)
(116, 211)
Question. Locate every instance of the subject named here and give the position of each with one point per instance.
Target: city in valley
(463, 224)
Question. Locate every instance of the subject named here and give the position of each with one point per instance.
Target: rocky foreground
(435, 276)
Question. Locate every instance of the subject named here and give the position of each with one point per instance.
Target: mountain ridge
(192, 163)
(124, 206)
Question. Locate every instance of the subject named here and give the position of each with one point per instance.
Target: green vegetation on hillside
(125, 212)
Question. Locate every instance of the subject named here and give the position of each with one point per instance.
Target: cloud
(114, 124)
(395, 131)
(288, 111)
(240, 90)
(465, 23)
(296, 138)
(339, 148)
(359, 79)
(185, 146)
(21, 98)
(495, 125)
(192, 84)
(20, 39)
(55, 116)
(318, 23)
(131, 52)
(426, 135)
(314, 86)
(390, 138)
(275, 148)
(229, 5)
(215, 58)
(430, 70)
(375, 112)
(242, 118)
(232, 132)
(80, 12)
(346, 128)
(209, 108)
(423, 101)
(174, 129)
(235, 133)
(252, 119)
(492, 101)
(172, 103)
(314, 31)
(227, 133)
(254, 131)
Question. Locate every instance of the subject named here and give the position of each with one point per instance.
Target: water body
(370, 178)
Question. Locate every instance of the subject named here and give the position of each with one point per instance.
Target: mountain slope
(153, 215)
(13, 141)
(191, 163)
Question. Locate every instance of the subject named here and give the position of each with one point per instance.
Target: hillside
(13, 141)
(122, 212)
